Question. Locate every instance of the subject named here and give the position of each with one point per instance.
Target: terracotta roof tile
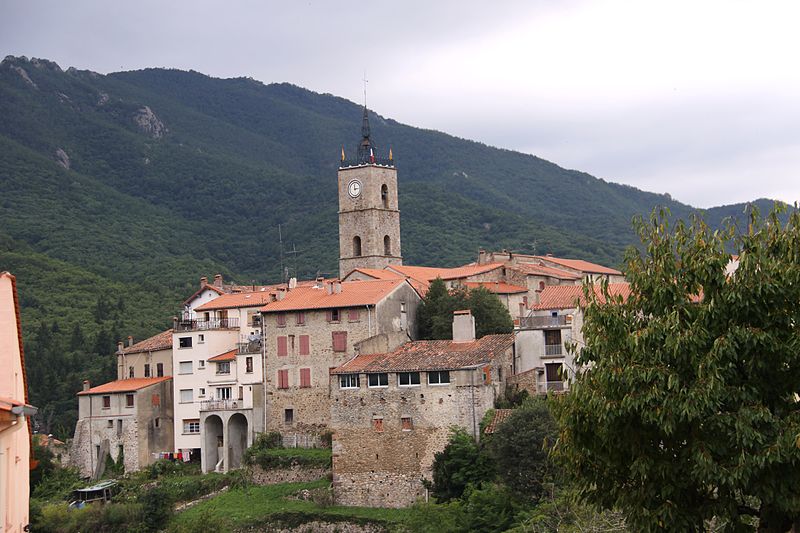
(541, 270)
(430, 355)
(162, 341)
(571, 296)
(431, 273)
(500, 416)
(124, 385)
(497, 287)
(378, 273)
(237, 300)
(580, 264)
(227, 356)
(353, 294)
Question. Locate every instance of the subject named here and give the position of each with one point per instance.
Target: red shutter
(282, 351)
(339, 341)
(283, 379)
(281, 319)
(329, 316)
(352, 315)
(305, 377)
(300, 318)
(305, 348)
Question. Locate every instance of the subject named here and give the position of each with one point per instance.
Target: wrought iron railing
(553, 349)
(186, 324)
(542, 322)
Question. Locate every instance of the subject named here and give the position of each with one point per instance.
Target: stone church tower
(369, 218)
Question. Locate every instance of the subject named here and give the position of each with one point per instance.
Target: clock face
(354, 188)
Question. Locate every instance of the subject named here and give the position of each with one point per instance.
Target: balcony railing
(184, 324)
(543, 322)
(248, 347)
(553, 349)
(356, 162)
(221, 405)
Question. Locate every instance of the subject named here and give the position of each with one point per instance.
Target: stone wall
(294, 474)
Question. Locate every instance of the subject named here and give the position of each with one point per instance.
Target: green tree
(520, 449)
(460, 464)
(491, 316)
(688, 410)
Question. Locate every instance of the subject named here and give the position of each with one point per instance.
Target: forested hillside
(120, 191)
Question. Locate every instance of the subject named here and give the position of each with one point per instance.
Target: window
(406, 423)
(305, 345)
(291, 344)
(300, 319)
(356, 246)
(353, 315)
(282, 347)
(129, 400)
(186, 396)
(224, 367)
(348, 381)
(288, 416)
(146, 370)
(305, 377)
(157, 422)
(160, 370)
(200, 338)
(185, 367)
(441, 377)
(201, 391)
(377, 423)
(110, 423)
(106, 402)
(283, 379)
(155, 399)
(280, 319)
(191, 425)
(185, 342)
(408, 379)
(541, 285)
(387, 245)
(552, 342)
(248, 365)
(339, 341)
(130, 372)
(385, 196)
(378, 380)
(201, 363)
(119, 426)
(223, 393)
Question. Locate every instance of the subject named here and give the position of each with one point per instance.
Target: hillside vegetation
(120, 191)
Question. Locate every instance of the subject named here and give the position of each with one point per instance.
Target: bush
(273, 458)
(461, 463)
(489, 508)
(267, 441)
(157, 506)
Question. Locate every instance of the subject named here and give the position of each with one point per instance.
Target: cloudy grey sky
(695, 98)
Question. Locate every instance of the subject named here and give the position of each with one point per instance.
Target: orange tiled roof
(124, 385)
(7, 403)
(431, 273)
(162, 341)
(354, 294)
(200, 290)
(239, 299)
(541, 270)
(571, 296)
(500, 416)
(430, 355)
(497, 287)
(378, 273)
(580, 264)
(227, 356)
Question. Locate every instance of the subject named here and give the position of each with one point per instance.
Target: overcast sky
(695, 98)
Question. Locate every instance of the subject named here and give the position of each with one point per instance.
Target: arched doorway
(237, 439)
(214, 443)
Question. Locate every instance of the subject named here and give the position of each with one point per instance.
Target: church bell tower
(369, 218)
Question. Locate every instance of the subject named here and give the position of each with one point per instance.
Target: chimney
(218, 281)
(203, 282)
(292, 283)
(521, 309)
(329, 287)
(463, 326)
(280, 294)
(120, 346)
(320, 282)
(130, 340)
(337, 286)
(481, 257)
(86, 385)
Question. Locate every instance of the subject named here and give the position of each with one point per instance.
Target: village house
(310, 329)
(392, 412)
(148, 358)
(15, 413)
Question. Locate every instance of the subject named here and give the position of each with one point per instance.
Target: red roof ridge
(159, 341)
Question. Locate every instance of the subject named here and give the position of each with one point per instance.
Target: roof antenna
(280, 240)
(365, 80)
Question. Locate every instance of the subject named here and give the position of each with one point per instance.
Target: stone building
(392, 412)
(146, 359)
(310, 329)
(543, 363)
(369, 216)
(128, 419)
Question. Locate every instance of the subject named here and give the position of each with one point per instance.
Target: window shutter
(305, 377)
(305, 348)
(281, 319)
(329, 315)
(283, 379)
(352, 315)
(339, 341)
(282, 351)
(300, 318)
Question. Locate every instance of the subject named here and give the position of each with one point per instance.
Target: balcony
(554, 349)
(186, 324)
(544, 322)
(221, 405)
(248, 347)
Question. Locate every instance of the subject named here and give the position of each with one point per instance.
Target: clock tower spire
(369, 218)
